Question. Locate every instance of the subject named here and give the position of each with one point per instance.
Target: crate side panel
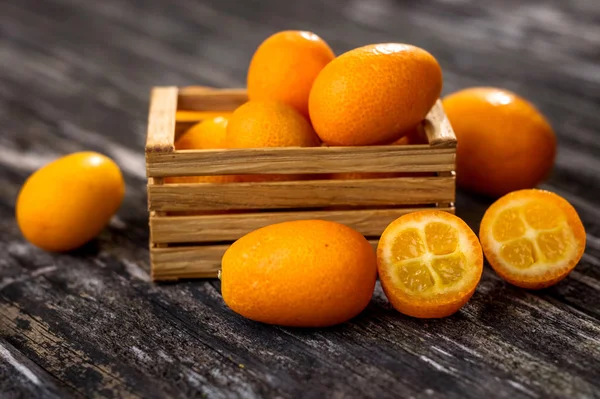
(301, 194)
(186, 262)
(414, 158)
(214, 228)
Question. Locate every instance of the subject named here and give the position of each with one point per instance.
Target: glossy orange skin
(307, 273)
(68, 202)
(259, 124)
(373, 94)
(547, 279)
(504, 142)
(208, 134)
(284, 67)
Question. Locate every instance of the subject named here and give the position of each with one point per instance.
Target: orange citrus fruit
(307, 273)
(504, 142)
(208, 134)
(532, 238)
(285, 66)
(429, 263)
(258, 124)
(412, 136)
(66, 203)
(373, 94)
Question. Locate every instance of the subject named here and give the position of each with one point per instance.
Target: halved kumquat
(532, 238)
(429, 263)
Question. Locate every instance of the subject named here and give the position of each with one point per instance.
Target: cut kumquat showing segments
(532, 238)
(429, 263)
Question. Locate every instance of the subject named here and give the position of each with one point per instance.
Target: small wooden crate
(191, 225)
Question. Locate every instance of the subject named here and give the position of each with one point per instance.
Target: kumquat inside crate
(192, 224)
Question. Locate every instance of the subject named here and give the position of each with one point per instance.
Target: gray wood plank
(78, 75)
(22, 378)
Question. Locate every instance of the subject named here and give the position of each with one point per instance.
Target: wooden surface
(161, 120)
(77, 75)
(214, 228)
(286, 160)
(438, 129)
(292, 194)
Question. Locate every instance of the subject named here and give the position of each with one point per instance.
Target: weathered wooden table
(77, 74)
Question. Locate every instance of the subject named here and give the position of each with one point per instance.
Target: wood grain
(438, 129)
(174, 263)
(300, 194)
(76, 75)
(212, 228)
(285, 160)
(21, 376)
(207, 99)
(161, 120)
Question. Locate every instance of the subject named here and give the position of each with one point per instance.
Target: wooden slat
(207, 99)
(446, 204)
(213, 228)
(438, 129)
(196, 116)
(186, 262)
(411, 158)
(161, 120)
(204, 261)
(301, 194)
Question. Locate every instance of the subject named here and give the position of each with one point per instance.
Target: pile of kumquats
(314, 273)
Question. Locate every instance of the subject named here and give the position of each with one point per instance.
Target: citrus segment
(532, 238)
(542, 216)
(519, 253)
(429, 263)
(415, 276)
(408, 245)
(441, 238)
(553, 244)
(508, 226)
(449, 268)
